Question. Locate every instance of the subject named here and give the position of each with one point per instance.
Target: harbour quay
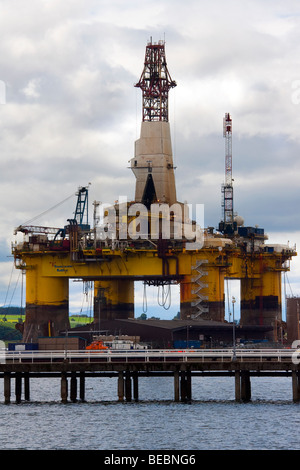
(73, 367)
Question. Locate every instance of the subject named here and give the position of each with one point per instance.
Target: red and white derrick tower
(155, 83)
(227, 225)
(152, 164)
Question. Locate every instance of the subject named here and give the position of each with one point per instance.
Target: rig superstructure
(151, 239)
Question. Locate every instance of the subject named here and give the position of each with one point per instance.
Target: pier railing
(150, 355)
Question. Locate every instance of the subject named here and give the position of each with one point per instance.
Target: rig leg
(261, 302)
(113, 299)
(47, 304)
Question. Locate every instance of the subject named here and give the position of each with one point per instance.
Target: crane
(227, 225)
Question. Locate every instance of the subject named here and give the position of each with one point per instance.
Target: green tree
(9, 333)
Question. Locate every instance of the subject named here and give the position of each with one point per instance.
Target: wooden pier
(73, 367)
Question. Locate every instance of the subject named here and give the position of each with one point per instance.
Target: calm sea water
(212, 421)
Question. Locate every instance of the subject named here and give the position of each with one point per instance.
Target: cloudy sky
(69, 112)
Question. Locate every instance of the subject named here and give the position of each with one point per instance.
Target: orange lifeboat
(96, 346)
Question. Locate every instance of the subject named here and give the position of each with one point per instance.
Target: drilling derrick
(153, 161)
(152, 166)
(227, 225)
(155, 83)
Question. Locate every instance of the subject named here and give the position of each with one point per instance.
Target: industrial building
(293, 319)
(153, 239)
(161, 334)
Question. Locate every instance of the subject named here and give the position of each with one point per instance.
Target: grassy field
(75, 320)
(9, 318)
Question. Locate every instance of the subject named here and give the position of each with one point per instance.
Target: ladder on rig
(198, 286)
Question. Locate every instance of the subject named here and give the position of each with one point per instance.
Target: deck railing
(151, 355)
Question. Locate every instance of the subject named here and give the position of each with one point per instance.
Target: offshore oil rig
(153, 239)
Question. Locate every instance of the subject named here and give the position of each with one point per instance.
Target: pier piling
(242, 385)
(127, 386)
(176, 385)
(18, 387)
(296, 385)
(26, 386)
(237, 377)
(121, 386)
(245, 386)
(82, 386)
(73, 391)
(182, 385)
(7, 387)
(64, 387)
(188, 385)
(135, 379)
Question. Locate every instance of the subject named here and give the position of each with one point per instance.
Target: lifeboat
(96, 346)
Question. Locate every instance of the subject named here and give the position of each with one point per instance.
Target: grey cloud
(72, 113)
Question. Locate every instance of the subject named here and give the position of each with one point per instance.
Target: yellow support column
(47, 304)
(215, 293)
(261, 301)
(185, 298)
(113, 299)
(202, 293)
